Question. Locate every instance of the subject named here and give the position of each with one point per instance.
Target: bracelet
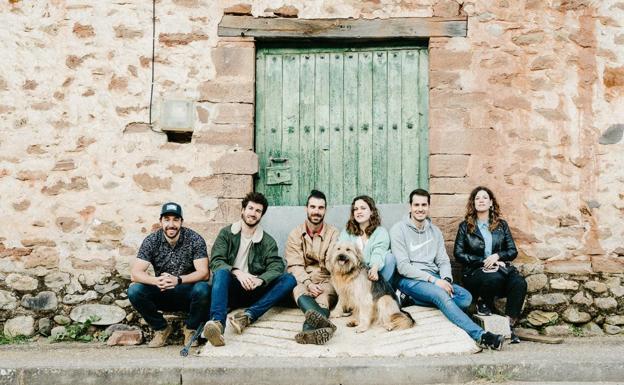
(179, 280)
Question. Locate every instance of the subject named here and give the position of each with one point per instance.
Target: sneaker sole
(213, 335)
(315, 337)
(319, 321)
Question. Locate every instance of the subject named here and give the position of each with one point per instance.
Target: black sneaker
(483, 309)
(514, 338)
(492, 341)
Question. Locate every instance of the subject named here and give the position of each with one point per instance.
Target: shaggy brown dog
(370, 301)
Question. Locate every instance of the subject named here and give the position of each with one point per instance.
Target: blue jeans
(193, 298)
(429, 294)
(228, 292)
(389, 267)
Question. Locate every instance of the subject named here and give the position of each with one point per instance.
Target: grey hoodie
(419, 253)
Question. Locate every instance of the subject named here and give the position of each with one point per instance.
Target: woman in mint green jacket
(365, 231)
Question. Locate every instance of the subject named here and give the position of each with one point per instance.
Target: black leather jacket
(470, 247)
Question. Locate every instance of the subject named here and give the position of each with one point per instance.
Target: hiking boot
(160, 337)
(188, 335)
(318, 320)
(239, 321)
(213, 332)
(316, 336)
(492, 341)
(483, 309)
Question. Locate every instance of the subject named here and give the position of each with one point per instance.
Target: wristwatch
(447, 279)
(179, 280)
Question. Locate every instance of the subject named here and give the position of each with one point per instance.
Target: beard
(316, 219)
(177, 231)
(251, 222)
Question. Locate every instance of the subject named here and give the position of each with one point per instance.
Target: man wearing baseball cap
(180, 260)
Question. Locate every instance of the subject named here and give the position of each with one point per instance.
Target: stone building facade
(530, 103)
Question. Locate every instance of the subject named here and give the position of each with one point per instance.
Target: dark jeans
(488, 286)
(193, 298)
(228, 292)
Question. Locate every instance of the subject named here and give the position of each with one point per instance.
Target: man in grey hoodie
(425, 269)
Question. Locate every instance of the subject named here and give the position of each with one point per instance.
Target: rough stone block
(445, 59)
(227, 134)
(448, 205)
(20, 326)
(8, 301)
(548, 300)
(595, 287)
(536, 282)
(605, 303)
(125, 338)
(468, 141)
(601, 264)
(495, 324)
(236, 162)
(223, 185)
(104, 314)
(21, 282)
(568, 267)
(236, 61)
(539, 318)
(152, 183)
(233, 113)
(450, 185)
(558, 331)
(443, 165)
(583, 299)
(231, 90)
(573, 315)
(43, 301)
(563, 284)
(238, 10)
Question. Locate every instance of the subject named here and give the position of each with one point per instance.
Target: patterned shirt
(176, 260)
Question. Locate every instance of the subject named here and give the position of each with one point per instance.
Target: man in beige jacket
(306, 250)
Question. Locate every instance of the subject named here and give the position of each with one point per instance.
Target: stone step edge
(324, 373)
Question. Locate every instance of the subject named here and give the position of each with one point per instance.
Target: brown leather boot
(160, 337)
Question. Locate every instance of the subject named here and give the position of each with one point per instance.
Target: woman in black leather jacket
(485, 248)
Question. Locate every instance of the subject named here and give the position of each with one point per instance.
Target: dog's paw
(352, 323)
(361, 329)
(388, 327)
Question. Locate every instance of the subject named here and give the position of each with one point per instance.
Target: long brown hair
(471, 212)
(353, 227)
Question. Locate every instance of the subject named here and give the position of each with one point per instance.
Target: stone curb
(322, 371)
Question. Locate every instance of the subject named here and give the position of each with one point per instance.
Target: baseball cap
(171, 208)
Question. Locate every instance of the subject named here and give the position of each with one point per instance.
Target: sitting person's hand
(490, 261)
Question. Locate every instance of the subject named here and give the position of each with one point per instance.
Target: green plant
(492, 374)
(10, 340)
(78, 331)
(577, 331)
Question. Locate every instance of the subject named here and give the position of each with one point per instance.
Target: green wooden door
(346, 121)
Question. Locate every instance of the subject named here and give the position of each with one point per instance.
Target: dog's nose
(342, 257)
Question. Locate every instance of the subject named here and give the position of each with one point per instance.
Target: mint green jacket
(376, 248)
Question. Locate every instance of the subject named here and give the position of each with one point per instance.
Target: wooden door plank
(350, 159)
(260, 134)
(321, 129)
(423, 120)
(290, 124)
(410, 138)
(380, 126)
(336, 124)
(307, 173)
(365, 123)
(273, 120)
(399, 27)
(395, 123)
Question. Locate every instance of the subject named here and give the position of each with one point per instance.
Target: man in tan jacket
(306, 250)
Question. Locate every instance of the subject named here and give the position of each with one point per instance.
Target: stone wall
(530, 103)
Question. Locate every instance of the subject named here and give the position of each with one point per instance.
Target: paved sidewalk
(577, 360)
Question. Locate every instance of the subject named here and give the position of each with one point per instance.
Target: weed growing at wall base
(9, 340)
